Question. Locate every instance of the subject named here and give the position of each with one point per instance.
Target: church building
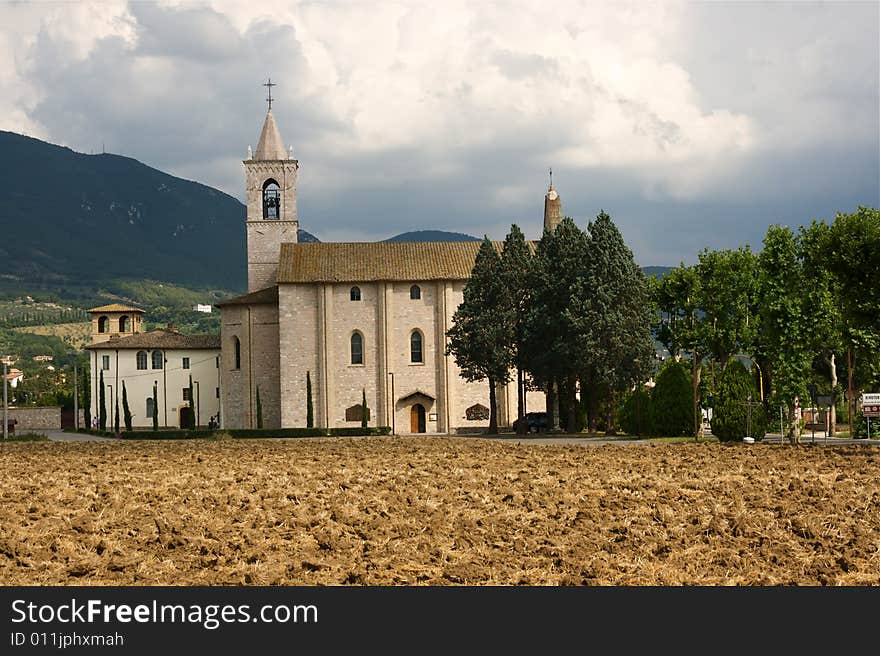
(346, 320)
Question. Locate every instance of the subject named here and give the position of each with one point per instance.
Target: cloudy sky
(695, 125)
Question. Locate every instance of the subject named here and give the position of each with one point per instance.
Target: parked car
(535, 422)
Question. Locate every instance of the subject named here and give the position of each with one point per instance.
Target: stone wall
(33, 418)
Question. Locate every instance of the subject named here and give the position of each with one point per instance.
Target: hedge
(255, 433)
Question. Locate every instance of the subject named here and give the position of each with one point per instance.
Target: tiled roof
(116, 307)
(368, 261)
(159, 339)
(268, 295)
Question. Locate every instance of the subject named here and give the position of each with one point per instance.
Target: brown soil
(401, 511)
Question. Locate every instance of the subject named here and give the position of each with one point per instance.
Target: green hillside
(68, 219)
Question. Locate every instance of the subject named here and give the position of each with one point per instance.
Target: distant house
(202, 308)
(44, 358)
(14, 377)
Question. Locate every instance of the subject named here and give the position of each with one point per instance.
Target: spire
(270, 145)
(552, 207)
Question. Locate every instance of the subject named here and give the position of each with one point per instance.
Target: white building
(162, 358)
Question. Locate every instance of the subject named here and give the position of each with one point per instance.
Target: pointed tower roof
(270, 145)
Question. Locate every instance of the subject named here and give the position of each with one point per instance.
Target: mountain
(658, 271)
(432, 235)
(67, 216)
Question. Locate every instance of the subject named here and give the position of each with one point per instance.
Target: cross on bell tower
(270, 173)
(269, 86)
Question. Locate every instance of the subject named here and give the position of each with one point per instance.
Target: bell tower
(270, 174)
(552, 207)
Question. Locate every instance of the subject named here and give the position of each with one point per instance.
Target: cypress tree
(480, 335)
(155, 408)
(554, 341)
(192, 403)
(126, 411)
(364, 409)
(116, 413)
(515, 262)
(670, 409)
(259, 409)
(102, 403)
(615, 317)
(310, 414)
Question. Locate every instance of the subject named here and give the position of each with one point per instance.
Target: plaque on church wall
(432, 416)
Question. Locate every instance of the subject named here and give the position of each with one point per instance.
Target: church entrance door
(417, 418)
(187, 419)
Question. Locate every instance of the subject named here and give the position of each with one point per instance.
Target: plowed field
(403, 511)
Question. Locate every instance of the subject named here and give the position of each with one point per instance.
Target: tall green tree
(786, 320)
(614, 317)
(554, 340)
(850, 250)
(310, 413)
(102, 403)
(126, 410)
(516, 259)
(481, 327)
(680, 327)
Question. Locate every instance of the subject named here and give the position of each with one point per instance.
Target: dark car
(532, 422)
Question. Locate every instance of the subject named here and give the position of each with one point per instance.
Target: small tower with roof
(270, 174)
(552, 207)
(115, 320)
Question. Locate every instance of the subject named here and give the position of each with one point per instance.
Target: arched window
(123, 324)
(158, 359)
(357, 348)
(355, 294)
(103, 324)
(415, 347)
(236, 347)
(415, 292)
(141, 359)
(149, 407)
(271, 200)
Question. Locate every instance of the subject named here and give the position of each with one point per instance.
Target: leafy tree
(102, 403)
(480, 335)
(732, 419)
(310, 414)
(259, 409)
(155, 407)
(515, 268)
(850, 250)
(364, 409)
(555, 343)
(786, 320)
(126, 411)
(670, 408)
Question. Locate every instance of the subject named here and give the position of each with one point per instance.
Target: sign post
(870, 408)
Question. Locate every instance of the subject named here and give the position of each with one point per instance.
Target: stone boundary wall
(34, 417)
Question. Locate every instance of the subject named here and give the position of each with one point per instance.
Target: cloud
(408, 115)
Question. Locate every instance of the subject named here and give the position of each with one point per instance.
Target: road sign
(871, 398)
(871, 405)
